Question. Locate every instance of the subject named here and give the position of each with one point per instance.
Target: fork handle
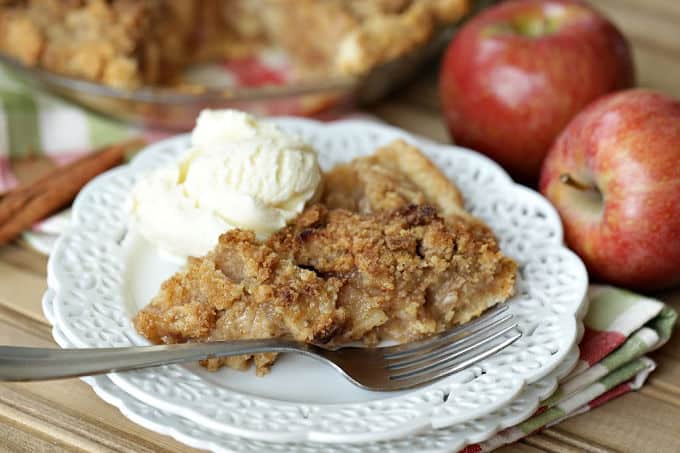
(36, 364)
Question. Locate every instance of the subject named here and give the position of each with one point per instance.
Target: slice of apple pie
(390, 253)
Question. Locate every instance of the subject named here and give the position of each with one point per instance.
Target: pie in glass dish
(134, 43)
(387, 253)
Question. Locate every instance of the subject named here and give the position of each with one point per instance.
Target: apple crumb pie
(131, 43)
(389, 253)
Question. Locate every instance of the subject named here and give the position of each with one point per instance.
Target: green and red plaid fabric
(36, 124)
(620, 326)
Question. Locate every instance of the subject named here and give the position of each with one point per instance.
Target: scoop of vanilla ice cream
(239, 173)
(219, 127)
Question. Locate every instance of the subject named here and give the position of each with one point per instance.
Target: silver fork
(382, 369)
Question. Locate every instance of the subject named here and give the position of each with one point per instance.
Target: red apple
(517, 73)
(614, 177)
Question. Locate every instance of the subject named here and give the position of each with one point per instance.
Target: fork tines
(451, 351)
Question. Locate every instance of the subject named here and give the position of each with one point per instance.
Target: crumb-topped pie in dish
(132, 43)
(388, 253)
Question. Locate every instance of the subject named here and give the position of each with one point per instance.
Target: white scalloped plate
(446, 440)
(101, 280)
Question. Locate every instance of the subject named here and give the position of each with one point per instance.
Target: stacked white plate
(100, 274)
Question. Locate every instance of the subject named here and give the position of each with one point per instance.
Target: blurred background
(114, 73)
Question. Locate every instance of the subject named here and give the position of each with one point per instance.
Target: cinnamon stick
(26, 205)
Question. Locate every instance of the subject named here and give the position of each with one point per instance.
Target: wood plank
(633, 422)
(19, 329)
(53, 409)
(656, 69)
(22, 257)
(636, 22)
(36, 426)
(549, 440)
(22, 291)
(67, 425)
(659, 10)
(663, 7)
(519, 447)
(90, 417)
(15, 439)
(664, 382)
(652, 28)
(414, 119)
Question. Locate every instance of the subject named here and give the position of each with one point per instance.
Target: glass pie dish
(257, 88)
(260, 83)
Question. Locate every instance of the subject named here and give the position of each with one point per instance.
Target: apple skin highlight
(625, 223)
(518, 72)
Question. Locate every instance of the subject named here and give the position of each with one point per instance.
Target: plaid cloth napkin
(620, 326)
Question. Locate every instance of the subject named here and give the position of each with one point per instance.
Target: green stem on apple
(569, 180)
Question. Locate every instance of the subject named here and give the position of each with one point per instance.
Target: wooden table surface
(67, 416)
